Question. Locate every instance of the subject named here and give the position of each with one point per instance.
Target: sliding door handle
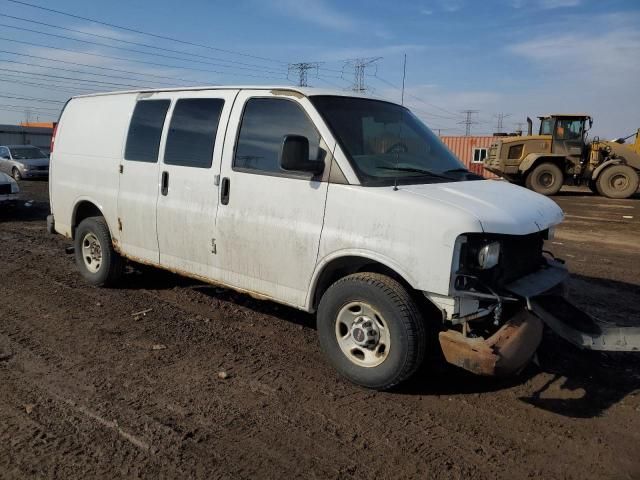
(225, 188)
(165, 184)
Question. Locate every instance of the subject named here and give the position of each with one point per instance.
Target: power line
(142, 52)
(146, 62)
(188, 81)
(360, 66)
(163, 37)
(65, 78)
(451, 116)
(45, 100)
(129, 42)
(301, 68)
(468, 121)
(22, 107)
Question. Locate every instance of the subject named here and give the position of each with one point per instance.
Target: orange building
(38, 124)
(471, 151)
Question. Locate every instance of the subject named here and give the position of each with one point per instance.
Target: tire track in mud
(282, 411)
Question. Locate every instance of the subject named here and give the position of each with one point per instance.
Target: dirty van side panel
(86, 157)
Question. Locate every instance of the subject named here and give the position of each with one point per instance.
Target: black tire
(406, 327)
(15, 173)
(593, 187)
(546, 179)
(111, 265)
(617, 181)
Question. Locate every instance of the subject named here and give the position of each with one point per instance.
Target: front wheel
(546, 179)
(15, 173)
(98, 262)
(371, 330)
(617, 181)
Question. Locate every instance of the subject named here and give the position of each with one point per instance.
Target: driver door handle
(165, 183)
(225, 189)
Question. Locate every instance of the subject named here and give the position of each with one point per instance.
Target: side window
(4, 153)
(145, 130)
(568, 129)
(546, 127)
(192, 132)
(479, 154)
(265, 123)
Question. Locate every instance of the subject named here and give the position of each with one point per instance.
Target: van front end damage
(505, 337)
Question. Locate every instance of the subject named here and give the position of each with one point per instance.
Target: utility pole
(500, 121)
(519, 126)
(360, 66)
(301, 69)
(468, 121)
(27, 116)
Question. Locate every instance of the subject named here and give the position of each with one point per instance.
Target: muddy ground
(89, 390)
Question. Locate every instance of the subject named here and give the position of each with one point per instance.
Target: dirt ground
(87, 389)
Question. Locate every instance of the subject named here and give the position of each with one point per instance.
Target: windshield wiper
(417, 170)
(454, 170)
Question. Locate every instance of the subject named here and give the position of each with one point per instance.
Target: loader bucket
(577, 327)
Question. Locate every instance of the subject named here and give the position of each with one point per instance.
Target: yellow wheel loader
(560, 155)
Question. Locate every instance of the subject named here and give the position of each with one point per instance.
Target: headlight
(489, 255)
(14, 185)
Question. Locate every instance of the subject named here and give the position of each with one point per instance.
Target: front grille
(5, 188)
(519, 256)
(43, 167)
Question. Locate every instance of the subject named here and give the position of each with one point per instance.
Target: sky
(509, 57)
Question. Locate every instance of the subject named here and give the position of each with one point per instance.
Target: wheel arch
(84, 208)
(534, 159)
(339, 265)
(600, 168)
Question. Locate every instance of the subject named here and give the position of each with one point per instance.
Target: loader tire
(546, 179)
(617, 181)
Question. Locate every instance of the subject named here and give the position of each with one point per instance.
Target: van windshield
(387, 144)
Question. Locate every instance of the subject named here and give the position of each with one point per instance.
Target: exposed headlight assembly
(489, 255)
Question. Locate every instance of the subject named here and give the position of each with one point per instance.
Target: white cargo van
(325, 201)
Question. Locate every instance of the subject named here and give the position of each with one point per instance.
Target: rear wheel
(98, 262)
(15, 173)
(546, 179)
(617, 181)
(371, 330)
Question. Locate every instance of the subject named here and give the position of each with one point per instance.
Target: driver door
(568, 137)
(269, 220)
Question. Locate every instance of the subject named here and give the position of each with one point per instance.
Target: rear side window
(192, 132)
(145, 130)
(265, 123)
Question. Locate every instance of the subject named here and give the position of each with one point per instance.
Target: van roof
(306, 91)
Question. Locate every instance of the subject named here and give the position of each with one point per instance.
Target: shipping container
(471, 151)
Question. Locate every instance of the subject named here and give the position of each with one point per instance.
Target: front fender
(532, 158)
(600, 168)
(353, 252)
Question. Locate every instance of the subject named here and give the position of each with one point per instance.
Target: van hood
(500, 207)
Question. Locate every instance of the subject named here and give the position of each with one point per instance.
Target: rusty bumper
(507, 351)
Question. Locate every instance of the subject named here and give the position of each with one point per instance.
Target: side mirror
(294, 155)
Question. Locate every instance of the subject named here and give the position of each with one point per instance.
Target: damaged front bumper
(511, 347)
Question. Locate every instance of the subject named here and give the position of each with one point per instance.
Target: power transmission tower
(468, 121)
(519, 126)
(500, 121)
(301, 69)
(360, 66)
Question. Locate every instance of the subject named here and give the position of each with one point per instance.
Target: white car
(322, 200)
(9, 189)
